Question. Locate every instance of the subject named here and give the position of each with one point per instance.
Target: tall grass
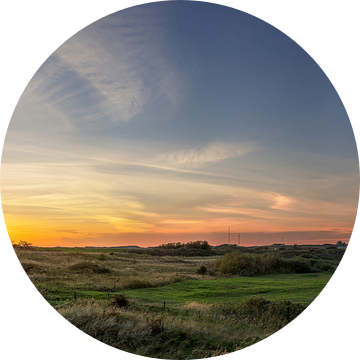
(63, 272)
(192, 331)
(180, 330)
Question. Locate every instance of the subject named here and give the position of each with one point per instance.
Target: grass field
(203, 315)
(295, 287)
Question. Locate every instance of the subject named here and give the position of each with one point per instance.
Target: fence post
(74, 295)
(164, 304)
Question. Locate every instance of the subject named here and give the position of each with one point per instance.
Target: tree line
(202, 245)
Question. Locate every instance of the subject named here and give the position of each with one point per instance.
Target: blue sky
(172, 121)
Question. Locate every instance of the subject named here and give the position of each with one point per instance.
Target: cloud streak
(104, 75)
(200, 156)
(153, 121)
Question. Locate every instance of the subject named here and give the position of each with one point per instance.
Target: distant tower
(229, 235)
(239, 239)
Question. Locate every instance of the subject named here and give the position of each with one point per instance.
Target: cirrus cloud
(211, 153)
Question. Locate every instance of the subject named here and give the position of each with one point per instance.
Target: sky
(174, 121)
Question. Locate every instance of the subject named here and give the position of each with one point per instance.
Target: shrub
(102, 257)
(308, 256)
(120, 301)
(246, 273)
(298, 266)
(202, 270)
(246, 264)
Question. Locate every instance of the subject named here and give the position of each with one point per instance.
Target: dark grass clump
(137, 284)
(120, 301)
(87, 267)
(31, 268)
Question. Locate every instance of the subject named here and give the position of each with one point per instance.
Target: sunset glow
(166, 123)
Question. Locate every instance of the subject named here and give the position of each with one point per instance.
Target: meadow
(165, 306)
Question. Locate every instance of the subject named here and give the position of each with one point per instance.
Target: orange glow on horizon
(45, 238)
(52, 234)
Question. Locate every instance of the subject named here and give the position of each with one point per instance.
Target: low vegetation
(202, 245)
(191, 331)
(246, 264)
(179, 307)
(88, 267)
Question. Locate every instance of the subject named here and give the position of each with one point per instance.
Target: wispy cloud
(119, 133)
(199, 156)
(104, 75)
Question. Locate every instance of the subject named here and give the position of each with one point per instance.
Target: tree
(202, 270)
(24, 244)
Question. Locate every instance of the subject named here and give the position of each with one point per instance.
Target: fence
(46, 291)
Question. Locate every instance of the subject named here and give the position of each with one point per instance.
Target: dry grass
(190, 331)
(65, 271)
(187, 335)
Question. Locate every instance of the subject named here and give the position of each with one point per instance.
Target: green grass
(155, 280)
(294, 287)
(203, 316)
(187, 335)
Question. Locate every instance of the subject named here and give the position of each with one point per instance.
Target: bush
(246, 273)
(298, 266)
(202, 270)
(246, 264)
(102, 257)
(120, 301)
